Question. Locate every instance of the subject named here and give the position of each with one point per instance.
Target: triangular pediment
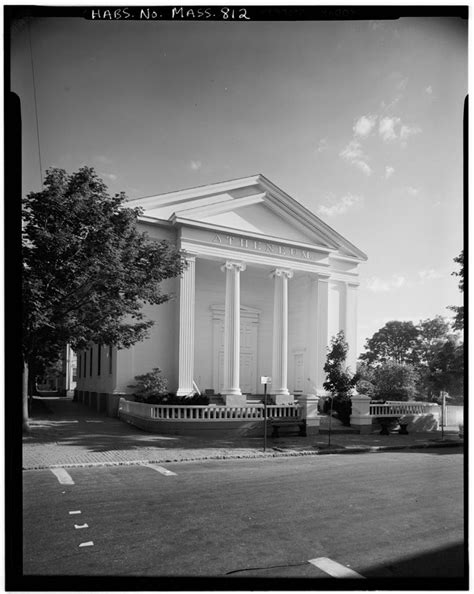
(251, 205)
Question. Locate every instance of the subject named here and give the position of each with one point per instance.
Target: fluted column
(232, 331)
(186, 328)
(279, 387)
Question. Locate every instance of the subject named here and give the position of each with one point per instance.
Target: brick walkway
(66, 433)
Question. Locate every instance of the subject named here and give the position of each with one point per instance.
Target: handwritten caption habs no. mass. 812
(169, 12)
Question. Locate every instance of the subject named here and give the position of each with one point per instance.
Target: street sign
(265, 379)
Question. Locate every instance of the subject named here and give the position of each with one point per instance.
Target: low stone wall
(220, 428)
(216, 421)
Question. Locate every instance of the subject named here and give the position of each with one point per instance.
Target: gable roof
(252, 204)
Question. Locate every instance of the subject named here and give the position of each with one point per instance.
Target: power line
(35, 102)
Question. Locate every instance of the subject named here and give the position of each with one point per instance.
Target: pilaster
(186, 327)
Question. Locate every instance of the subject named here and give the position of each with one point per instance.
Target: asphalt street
(385, 515)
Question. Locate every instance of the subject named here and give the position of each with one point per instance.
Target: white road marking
(63, 476)
(335, 569)
(77, 511)
(160, 469)
(87, 544)
(79, 526)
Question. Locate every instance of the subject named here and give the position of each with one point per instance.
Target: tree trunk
(26, 425)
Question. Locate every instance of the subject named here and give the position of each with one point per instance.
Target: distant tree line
(403, 361)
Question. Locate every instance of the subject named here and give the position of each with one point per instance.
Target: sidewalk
(67, 434)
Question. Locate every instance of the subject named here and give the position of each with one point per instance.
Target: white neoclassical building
(267, 285)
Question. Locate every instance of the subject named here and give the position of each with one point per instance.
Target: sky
(360, 121)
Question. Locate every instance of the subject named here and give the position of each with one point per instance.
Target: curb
(255, 455)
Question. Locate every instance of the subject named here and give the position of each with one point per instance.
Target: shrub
(194, 400)
(366, 387)
(150, 386)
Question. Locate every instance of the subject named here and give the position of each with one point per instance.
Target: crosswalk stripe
(63, 476)
(160, 469)
(335, 569)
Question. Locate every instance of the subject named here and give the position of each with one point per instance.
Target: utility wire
(35, 102)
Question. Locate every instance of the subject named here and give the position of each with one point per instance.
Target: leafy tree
(395, 381)
(446, 368)
(396, 341)
(458, 323)
(339, 380)
(365, 379)
(433, 333)
(87, 270)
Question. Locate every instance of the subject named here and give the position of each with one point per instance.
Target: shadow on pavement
(447, 562)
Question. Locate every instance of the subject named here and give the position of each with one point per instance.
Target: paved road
(392, 515)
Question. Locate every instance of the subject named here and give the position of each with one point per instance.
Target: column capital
(285, 272)
(188, 256)
(319, 277)
(234, 265)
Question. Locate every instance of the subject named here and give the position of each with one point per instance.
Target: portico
(291, 302)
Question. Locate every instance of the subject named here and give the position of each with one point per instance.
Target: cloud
(378, 285)
(195, 165)
(430, 274)
(103, 160)
(429, 90)
(392, 128)
(407, 131)
(389, 171)
(323, 145)
(412, 191)
(364, 125)
(387, 127)
(342, 206)
(110, 176)
(353, 154)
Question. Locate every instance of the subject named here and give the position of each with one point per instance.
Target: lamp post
(265, 380)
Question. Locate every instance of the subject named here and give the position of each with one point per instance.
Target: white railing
(395, 409)
(173, 412)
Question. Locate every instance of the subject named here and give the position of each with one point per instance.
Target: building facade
(266, 286)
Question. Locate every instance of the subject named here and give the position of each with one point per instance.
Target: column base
(184, 392)
(235, 399)
(282, 398)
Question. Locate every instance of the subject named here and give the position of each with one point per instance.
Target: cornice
(196, 192)
(218, 207)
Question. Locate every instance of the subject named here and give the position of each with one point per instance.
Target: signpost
(444, 395)
(265, 380)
